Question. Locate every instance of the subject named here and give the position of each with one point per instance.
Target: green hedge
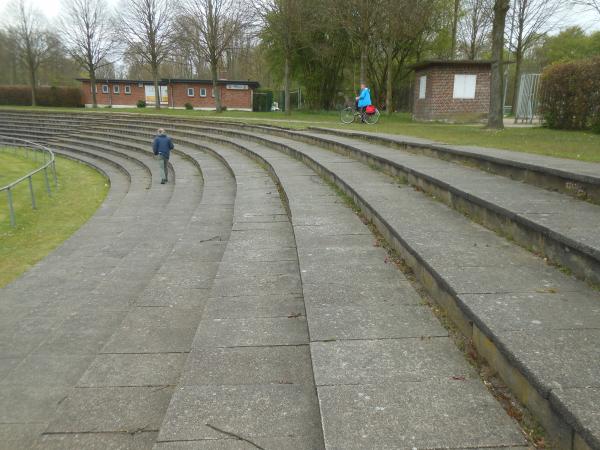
(46, 96)
(570, 95)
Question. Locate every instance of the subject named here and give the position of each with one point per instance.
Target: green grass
(81, 190)
(584, 146)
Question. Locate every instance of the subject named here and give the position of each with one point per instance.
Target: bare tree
(496, 114)
(31, 40)
(593, 5)
(88, 35)
(474, 26)
(281, 19)
(212, 25)
(532, 20)
(147, 27)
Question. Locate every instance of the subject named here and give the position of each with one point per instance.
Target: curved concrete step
(133, 376)
(545, 226)
(138, 172)
(252, 336)
(498, 294)
(77, 298)
(362, 315)
(533, 312)
(576, 178)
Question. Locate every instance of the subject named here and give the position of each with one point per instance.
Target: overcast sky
(575, 16)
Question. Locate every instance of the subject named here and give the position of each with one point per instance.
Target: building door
(151, 98)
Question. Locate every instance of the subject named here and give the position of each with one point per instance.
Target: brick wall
(230, 98)
(121, 99)
(178, 96)
(439, 103)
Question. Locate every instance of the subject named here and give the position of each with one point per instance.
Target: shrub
(188, 106)
(141, 103)
(46, 96)
(570, 95)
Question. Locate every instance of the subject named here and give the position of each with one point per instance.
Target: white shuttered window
(464, 86)
(422, 86)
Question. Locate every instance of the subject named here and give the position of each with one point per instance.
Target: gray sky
(575, 16)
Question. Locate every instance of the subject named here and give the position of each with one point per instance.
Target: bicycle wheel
(372, 119)
(347, 115)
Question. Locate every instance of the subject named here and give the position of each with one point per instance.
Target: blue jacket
(162, 145)
(365, 98)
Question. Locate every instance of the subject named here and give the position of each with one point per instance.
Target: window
(212, 93)
(116, 89)
(190, 92)
(127, 89)
(422, 86)
(464, 86)
(105, 88)
(202, 92)
(237, 86)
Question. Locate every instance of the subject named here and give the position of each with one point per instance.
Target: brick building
(454, 91)
(175, 93)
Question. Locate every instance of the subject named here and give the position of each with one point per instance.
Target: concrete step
(509, 302)
(138, 173)
(535, 218)
(576, 178)
(533, 323)
(132, 378)
(367, 327)
(249, 370)
(77, 298)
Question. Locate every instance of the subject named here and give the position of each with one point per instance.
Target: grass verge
(80, 192)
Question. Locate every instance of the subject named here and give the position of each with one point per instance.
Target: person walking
(162, 146)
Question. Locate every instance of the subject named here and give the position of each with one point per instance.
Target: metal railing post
(11, 209)
(47, 182)
(32, 193)
(26, 147)
(54, 173)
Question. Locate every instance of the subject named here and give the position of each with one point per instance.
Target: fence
(36, 152)
(527, 103)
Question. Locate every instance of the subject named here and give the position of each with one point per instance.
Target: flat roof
(454, 62)
(164, 81)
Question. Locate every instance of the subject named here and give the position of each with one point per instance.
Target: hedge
(46, 96)
(570, 95)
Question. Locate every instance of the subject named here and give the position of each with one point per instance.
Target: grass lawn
(81, 190)
(584, 146)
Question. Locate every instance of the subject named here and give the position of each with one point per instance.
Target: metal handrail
(49, 162)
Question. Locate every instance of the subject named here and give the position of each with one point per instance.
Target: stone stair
(295, 304)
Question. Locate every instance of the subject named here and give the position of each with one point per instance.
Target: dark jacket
(162, 145)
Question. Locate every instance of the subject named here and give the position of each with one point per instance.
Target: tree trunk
(496, 114)
(454, 28)
(363, 63)
(32, 80)
(516, 84)
(286, 84)
(93, 86)
(217, 92)
(156, 87)
(388, 88)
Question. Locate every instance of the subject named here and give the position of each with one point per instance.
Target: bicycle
(349, 115)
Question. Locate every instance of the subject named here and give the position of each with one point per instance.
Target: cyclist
(363, 100)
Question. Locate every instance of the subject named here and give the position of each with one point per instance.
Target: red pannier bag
(370, 109)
